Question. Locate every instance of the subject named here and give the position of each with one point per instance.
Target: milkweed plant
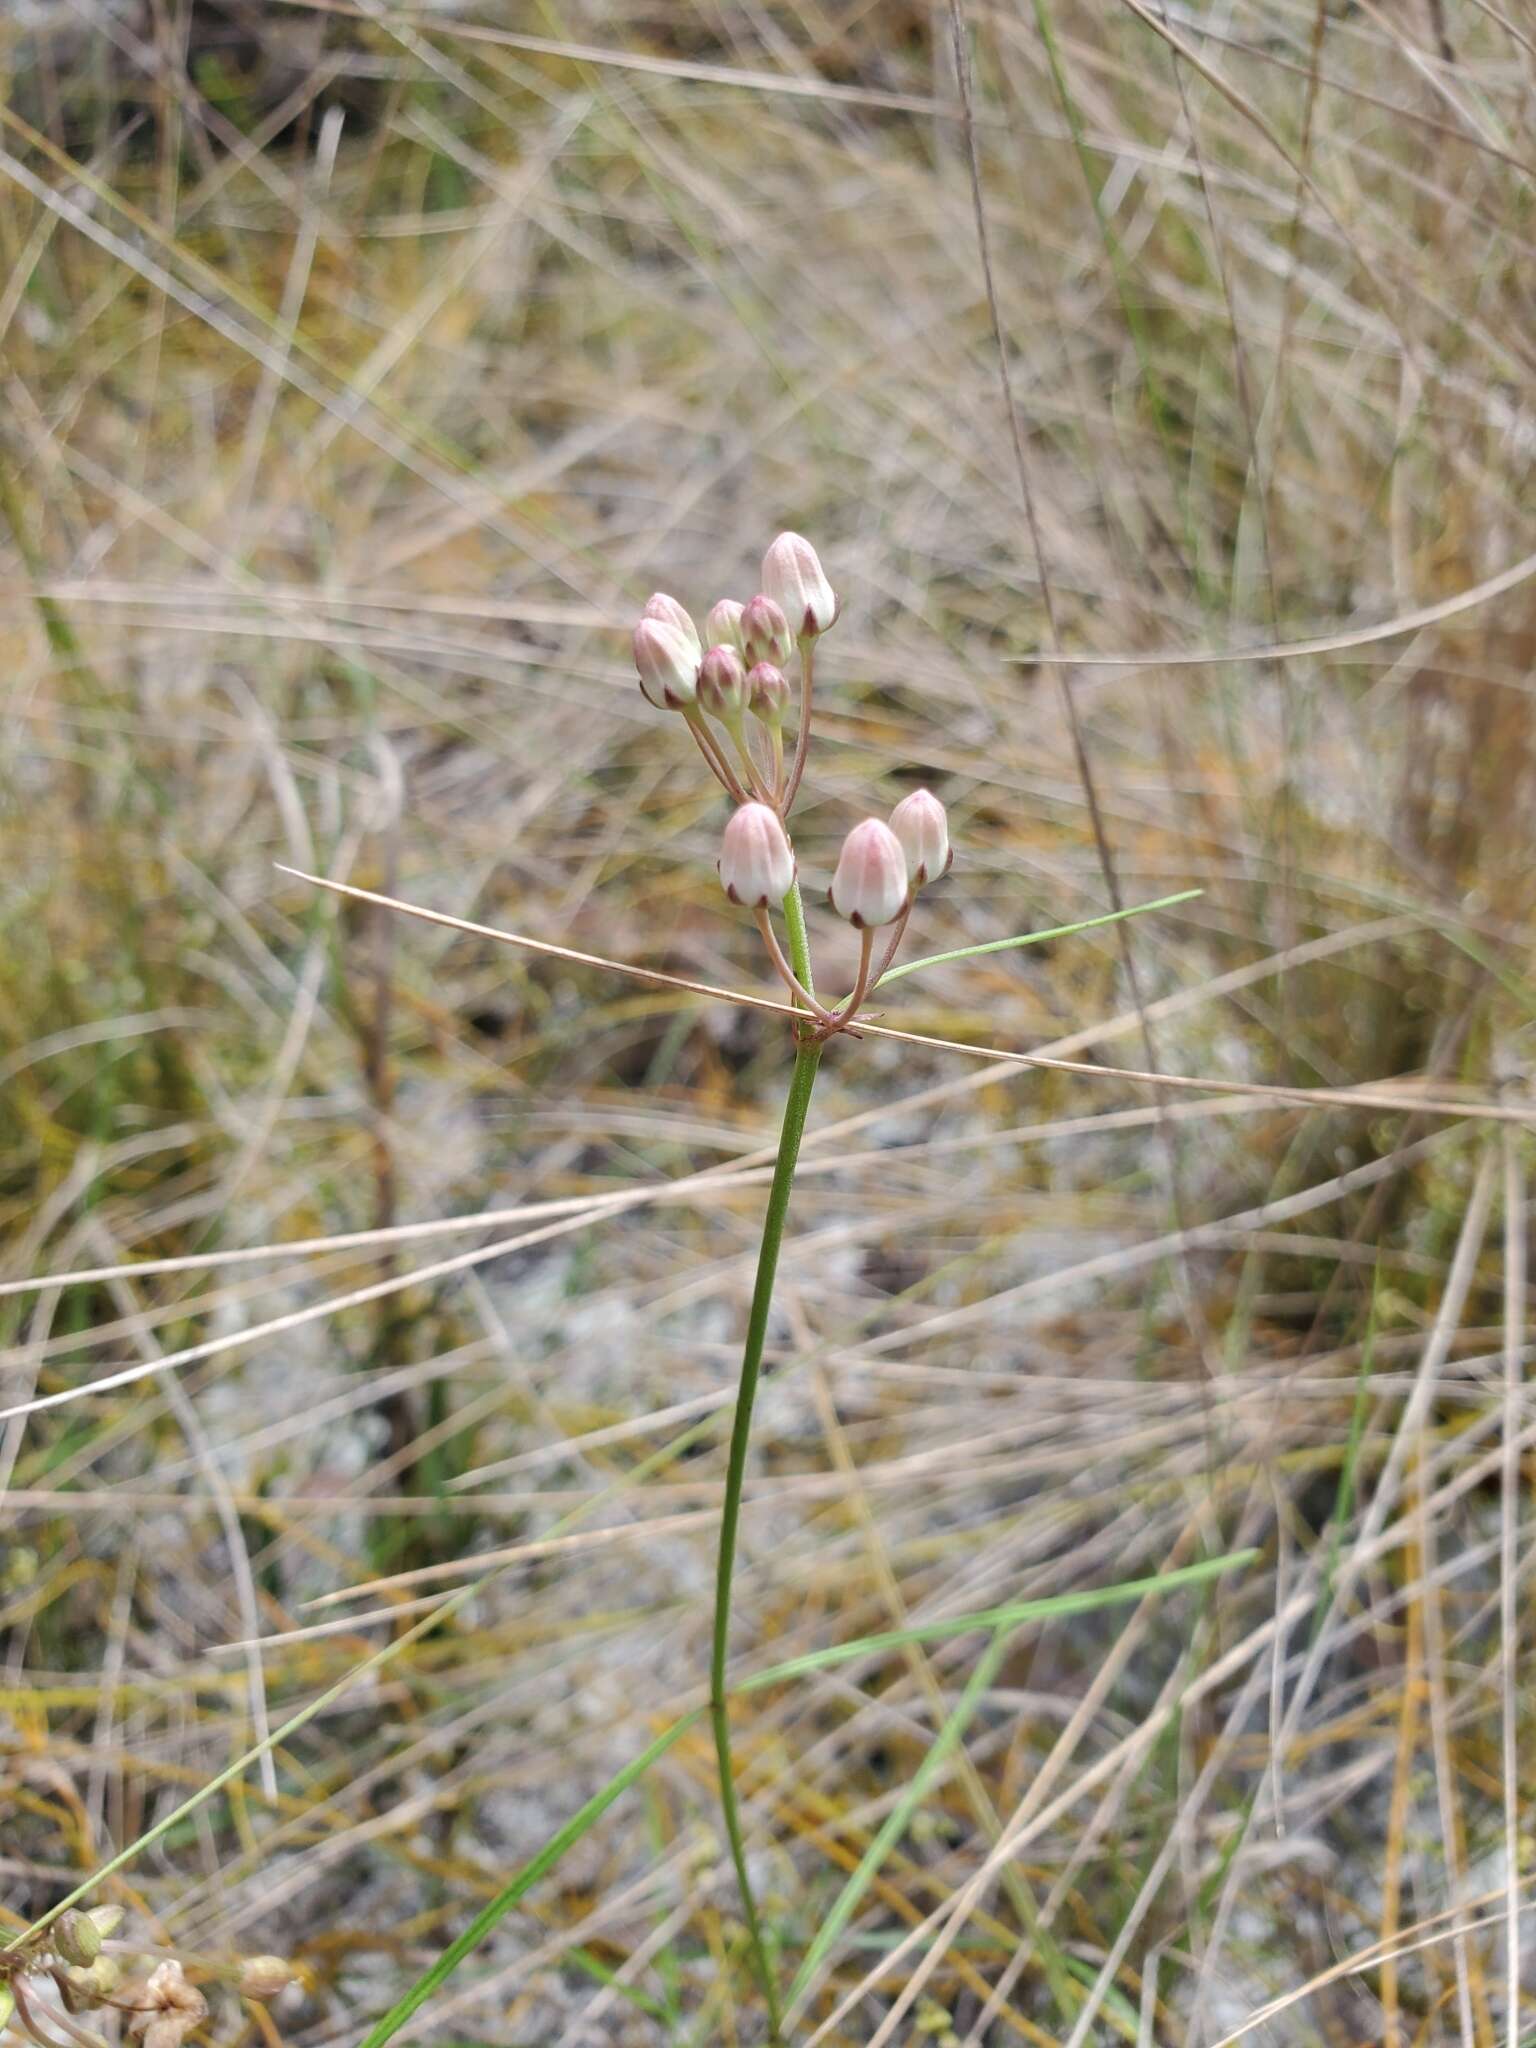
(731, 689)
(745, 690)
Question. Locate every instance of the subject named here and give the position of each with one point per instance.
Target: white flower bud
(757, 863)
(869, 886)
(794, 578)
(723, 626)
(765, 634)
(769, 695)
(659, 606)
(920, 824)
(668, 666)
(723, 684)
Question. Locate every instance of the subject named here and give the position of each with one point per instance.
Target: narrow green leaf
(1059, 931)
(998, 1617)
(992, 1618)
(384, 2029)
(896, 1821)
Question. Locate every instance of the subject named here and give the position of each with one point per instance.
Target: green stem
(796, 1108)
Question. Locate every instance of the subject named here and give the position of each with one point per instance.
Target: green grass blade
(993, 1618)
(1059, 931)
(1344, 1499)
(896, 1821)
(496, 1909)
(998, 1617)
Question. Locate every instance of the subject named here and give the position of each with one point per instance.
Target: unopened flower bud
(768, 693)
(723, 626)
(757, 863)
(668, 665)
(723, 684)
(794, 578)
(106, 1920)
(920, 824)
(869, 886)
(99, 1980)
(77, 1938)
(667, 609)
(265, 1976)
(765, 634)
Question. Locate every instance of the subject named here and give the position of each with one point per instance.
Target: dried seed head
(265, 1976)
(757, 862)
(869, 886)
(667, 664)
(723, 626)
(167, 2007)
(768, 693)
(667, 609)
(794, 578)
(765, 634)
(920, 824)
(77, 1938)
(723, 684)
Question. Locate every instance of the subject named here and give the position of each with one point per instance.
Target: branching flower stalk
(79, 1963)
(737, 677)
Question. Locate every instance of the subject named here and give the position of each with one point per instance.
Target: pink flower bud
(659, 606)
(769, 694)
(668, 665)
(765, 634)
(869, 886)
(757, 863)
(723, 684)
(920, 824)
(723, 626)
(794, 578)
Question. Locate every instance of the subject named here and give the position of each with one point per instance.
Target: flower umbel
(737, 671)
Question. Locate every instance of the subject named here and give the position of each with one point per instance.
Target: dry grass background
(363, 369)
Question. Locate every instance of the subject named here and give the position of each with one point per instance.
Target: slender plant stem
(796, 1108)
(755, 780)
(785, 972)
(849, 1008)
(803, 736)
(709, 747)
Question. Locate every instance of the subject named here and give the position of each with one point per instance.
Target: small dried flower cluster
(731, 688)
(87, 1969)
